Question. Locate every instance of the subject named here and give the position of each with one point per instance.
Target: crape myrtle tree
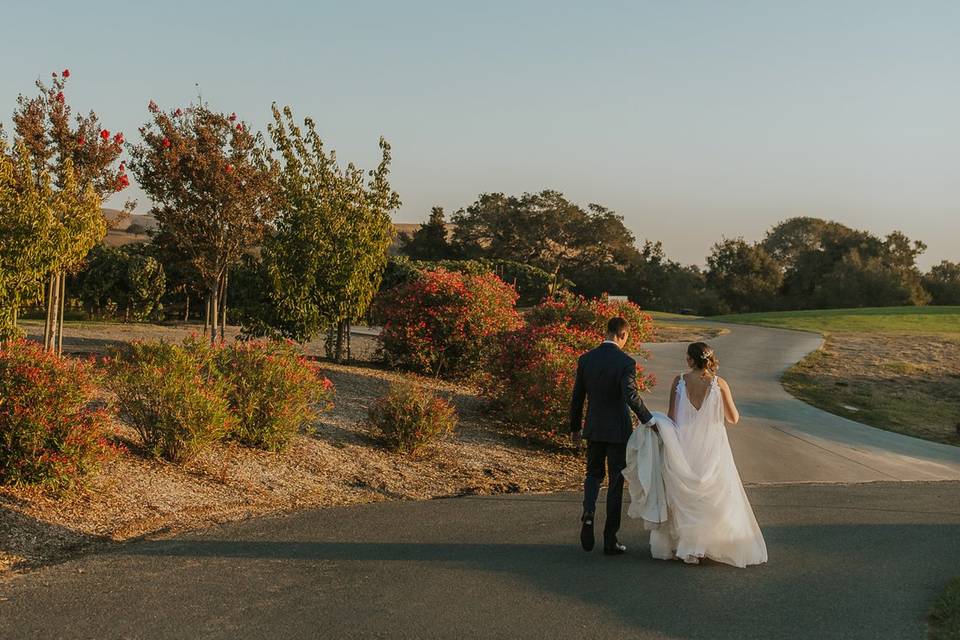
(212, 183)
(74, 165)
(324, 261)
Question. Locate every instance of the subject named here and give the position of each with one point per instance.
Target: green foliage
(50, 433)
(945, 613)
(943, 283)
(324, 262)
(128, 281)
(745, 275)
(173, 395)
(274, 392)
(430, 241)
(410, 418)
(445, 323)
(547, 231)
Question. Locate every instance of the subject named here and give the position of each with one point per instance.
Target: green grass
(945, 615)
(664, 315)
(920, 320)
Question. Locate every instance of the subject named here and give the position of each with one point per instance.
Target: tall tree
(213, 184)
(326, 258)
(81, 159)
(943, 283)
(744, 275)
(548, 231)
(430, 241)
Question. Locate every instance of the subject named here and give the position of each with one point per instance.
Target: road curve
(781, 439)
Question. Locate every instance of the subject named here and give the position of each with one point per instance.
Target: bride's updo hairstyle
(704, 358)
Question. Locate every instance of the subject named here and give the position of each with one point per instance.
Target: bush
(273, 392)
(410, 418)
(591, 316)
(445, 323)
(532, 377)
(172, 395)
(49, 432)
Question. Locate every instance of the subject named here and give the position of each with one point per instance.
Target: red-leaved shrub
(445, 323)
(531, 378)
(591, 315)
(50, 433)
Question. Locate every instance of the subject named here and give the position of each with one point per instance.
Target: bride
(684, 484)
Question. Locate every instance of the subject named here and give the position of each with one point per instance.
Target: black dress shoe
(586, 532)
(616, 549)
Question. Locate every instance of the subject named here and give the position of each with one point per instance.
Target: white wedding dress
(684, 484)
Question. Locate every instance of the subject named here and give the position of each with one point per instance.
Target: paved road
(852, 558)
(846, 561)
(781, 439)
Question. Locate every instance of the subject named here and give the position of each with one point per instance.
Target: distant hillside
(131, 229)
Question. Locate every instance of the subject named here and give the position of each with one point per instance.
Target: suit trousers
(613, 456)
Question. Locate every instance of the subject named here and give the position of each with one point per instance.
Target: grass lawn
(895, 368)
(926, 320)
(945, 616)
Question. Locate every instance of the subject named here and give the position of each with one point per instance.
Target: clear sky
(694, 120)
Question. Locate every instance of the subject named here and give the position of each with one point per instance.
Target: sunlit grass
(922, 320)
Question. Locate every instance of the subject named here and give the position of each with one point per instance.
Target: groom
(607, 377)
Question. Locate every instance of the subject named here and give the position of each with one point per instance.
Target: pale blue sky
(694, 120)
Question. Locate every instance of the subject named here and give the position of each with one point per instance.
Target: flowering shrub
(411, 418)
(172, 395)
(273, 391)
(531, 378)
(49, 432)
(445, 323)
(591, 315)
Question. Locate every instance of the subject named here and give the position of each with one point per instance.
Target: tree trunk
(223, 304)
(63, 306)
(48, 325)
(186, 312)
(349, 344)
(53, 312)
(206, 316)
(214, 310)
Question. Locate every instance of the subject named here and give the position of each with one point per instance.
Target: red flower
(233, 116)
(239, 127)
(80, 141)
(105, 134)
(60, 97)
(229, 168)
(66, 73)
(123, 182)
(152, 107)
(178, 113)
(166, 143)
(123, 166)
(118, 138)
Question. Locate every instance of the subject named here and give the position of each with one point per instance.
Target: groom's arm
(628, 385)
(576, 403)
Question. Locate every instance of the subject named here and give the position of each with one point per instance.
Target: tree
(125, 280)
(745, 275)
(26, 226)
(325, 260)
(852, 268)
(591, 247)
(429, 242)
(213, 184)
(79, 158)
(943, 283)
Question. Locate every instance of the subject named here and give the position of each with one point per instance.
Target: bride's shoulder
(722, 383)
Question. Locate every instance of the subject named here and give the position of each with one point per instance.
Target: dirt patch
(681, 332)
(904, 383)
(338, 462)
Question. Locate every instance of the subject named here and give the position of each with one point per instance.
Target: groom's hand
(576, 438)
